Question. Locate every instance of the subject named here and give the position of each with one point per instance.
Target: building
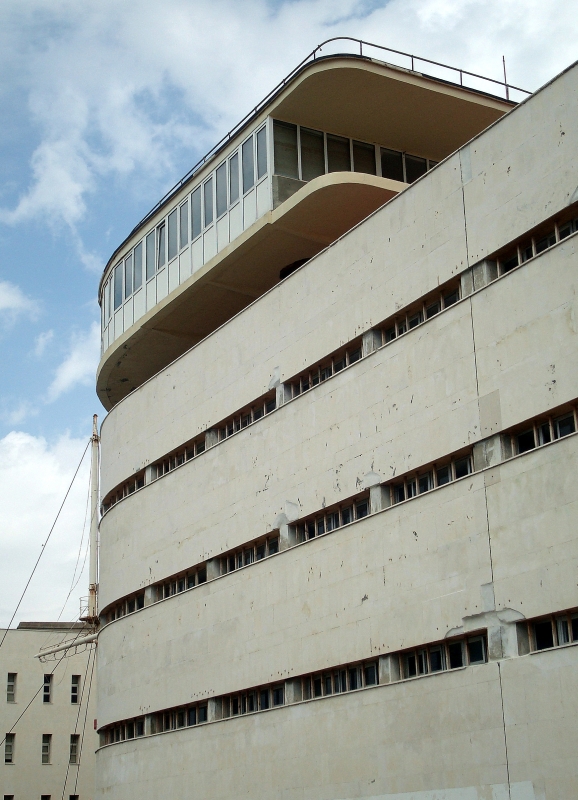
(47, 715)
(339, 541)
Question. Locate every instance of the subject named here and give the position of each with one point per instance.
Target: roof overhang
(311, 219)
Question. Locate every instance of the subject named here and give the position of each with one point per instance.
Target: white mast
(94, 491)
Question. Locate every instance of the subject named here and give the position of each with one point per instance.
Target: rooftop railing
(469, 80)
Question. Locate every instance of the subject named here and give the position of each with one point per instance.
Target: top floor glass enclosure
(269, 165)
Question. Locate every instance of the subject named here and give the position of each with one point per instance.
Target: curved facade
(338, 543)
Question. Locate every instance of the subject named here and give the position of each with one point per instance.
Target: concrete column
(489, 452)
(370, 341)
(213, 568)
(389, 668)
(379, 498)
(150, 595)
(293, 691)
(478, 276)
(282, 394)
(214, 709)
(287, 536)
(211, 438)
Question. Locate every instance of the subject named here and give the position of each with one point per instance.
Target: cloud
(23, 410)
(13, 303)
(79, 366)
(117, 88)
(41, 342)
(34, 477)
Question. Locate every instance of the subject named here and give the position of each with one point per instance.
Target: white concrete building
(339, 540)
(47, 715)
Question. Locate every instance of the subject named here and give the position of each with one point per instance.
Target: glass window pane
(364, 158)
(128, 276)
(564, 426)
(138, 266)
(462, 467)
(196, 212)
(172, 234)
(525, 441)
(234, 178)
(184, 225)
(248, 165)
(312, 154)
(391, 164)
(150, 255)
(443, 475)
(208, 201)
(261, 152)
(221, 179)
(285, 149)
(117, 286)
(544, 635)
(338, 154)
(456, 655)
(161, 246)
(415, 167)
(476, 651)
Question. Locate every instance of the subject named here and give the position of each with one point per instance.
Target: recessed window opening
(325, 369)
(415, 167)
(173, 248)
(542, 431)
(416, 314)
(74, 748)
(196, 213)
(534, 243)
(47, 689)
(364, 158)
(74, 689)
(9, 742)
(312, 154)
(261, 152)
(184, 224)
(331, 519)
(392, 165)
(11, 687)
(221, 183)
(248, 165)
(442, 656)
(150, 256)
(138, 266)
(161, 246)
(118, 286)
(429, 478)
(46, 748)
(128, 276)
(553, 631)
(234, 178)
(208, 202)
(247, 416)
(338, 154)
(285, 149)
(250, 553)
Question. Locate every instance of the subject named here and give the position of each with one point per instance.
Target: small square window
(543, 635)
(346, 515)
(509, 263)
(203, 713)
(398, 493)
(410, 665)
(390, 334)
(415, 320)
(525, 441)
(317, 691)
(526, 252)
(456, 654)
(74, 689)
(361, 509)
(476, 650)
(278, 695)
(260, 551)
(411, 489)
(462, 467)
(273, 546)
(370, 675)
(354, 356)
(424, 483)
(443, 475)
(563, 426)
(192, 716)
(432, 310)
(436, 659)
(565, 230)
(451, 298)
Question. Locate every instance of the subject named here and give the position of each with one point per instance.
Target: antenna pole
(94, 491)
(505, 79)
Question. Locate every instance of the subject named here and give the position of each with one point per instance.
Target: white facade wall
(499, 542)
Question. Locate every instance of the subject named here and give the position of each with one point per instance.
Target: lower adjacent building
(47, 715)
(339, 542)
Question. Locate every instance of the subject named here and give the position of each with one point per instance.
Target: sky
(104, 105)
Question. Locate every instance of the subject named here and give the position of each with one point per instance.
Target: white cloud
(23, 410)
(34, 477)
(79, 366)
(13, 302)
(41, 342)
(118, 86)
